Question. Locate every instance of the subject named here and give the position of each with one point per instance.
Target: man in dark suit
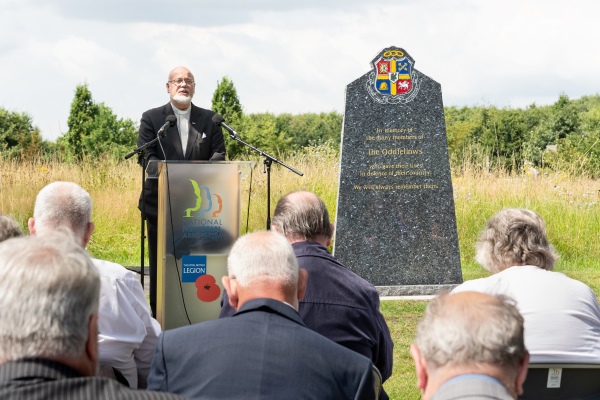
(470, 345)
(338, 303)
(194, 137)
(264, 351)
(49, 323)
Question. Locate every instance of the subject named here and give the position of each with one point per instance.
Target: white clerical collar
(181, 112)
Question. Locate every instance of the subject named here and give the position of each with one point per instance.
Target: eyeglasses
(180, 82)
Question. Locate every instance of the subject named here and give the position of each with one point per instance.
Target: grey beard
(181, 99)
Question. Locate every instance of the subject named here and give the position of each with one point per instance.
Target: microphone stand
(141, 152)
(268, 161)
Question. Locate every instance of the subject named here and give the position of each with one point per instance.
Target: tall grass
(569, 204)
(114, 187)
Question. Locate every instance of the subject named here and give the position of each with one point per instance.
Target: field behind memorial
(569, 204)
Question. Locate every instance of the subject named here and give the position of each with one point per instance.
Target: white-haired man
(127, 332)
(338, 303)
(48, 323)
(470, 345)
(264, 351)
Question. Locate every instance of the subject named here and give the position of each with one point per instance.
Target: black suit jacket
(263, 352)
(205, 142)
(48, 380)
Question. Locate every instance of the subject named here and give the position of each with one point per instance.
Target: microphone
(218, 119)
(170, 121)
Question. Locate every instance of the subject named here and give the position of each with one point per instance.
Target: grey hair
(50, 289)
(302, 216)
(63, 204)
(464, 334)
(263, 256)
(515, 237)
(9, 228)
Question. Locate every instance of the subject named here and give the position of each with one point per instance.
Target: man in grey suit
(338, 303)
(470, 345)
(49, 323)
(264, 351)
(194, 137)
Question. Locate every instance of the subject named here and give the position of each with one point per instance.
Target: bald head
(181, 87)
(302, 216)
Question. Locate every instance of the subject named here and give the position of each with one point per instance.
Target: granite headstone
(396, 225)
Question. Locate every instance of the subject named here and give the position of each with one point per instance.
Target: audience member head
(302, 216)
(9, 228)
(515, 237)
(470, 333)
(181, 87)
(63, 204)
(49, 303)
(263, 265)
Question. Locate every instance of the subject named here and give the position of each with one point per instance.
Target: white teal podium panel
(199, 211)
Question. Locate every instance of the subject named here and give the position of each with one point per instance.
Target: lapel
(173, 135)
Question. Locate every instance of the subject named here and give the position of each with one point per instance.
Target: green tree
(311, 129)
(460, 125)
(502, 132)
(18, 136)
(565, 119)
(83, 112)
(578, 152)
(108, 134)
(95, 130)
(260, 130)
(225, 101)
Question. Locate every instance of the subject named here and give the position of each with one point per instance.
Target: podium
(199, 211)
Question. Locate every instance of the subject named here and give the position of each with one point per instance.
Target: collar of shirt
(473, 376)
(177, 111)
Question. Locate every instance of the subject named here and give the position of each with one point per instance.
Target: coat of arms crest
(393, 79)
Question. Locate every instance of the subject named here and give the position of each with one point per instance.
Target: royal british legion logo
(393, 79)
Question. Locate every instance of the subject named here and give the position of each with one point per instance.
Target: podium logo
(194, 270)
(204, 202)
(393, 79)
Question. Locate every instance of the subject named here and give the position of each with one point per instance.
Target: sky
(289, 56)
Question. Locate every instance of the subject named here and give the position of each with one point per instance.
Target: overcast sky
(289, 56)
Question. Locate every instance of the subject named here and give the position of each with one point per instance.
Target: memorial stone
(396, 225)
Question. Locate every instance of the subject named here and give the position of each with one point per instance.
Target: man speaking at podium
(187, 133)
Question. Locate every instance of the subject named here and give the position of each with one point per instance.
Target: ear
(167, 86)
(88, 234)
(302, 282)
(31, 226)
(522, 373)
(91, 346)
(420, 367)
(232, 293)
(274, 228)
(330, 240)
